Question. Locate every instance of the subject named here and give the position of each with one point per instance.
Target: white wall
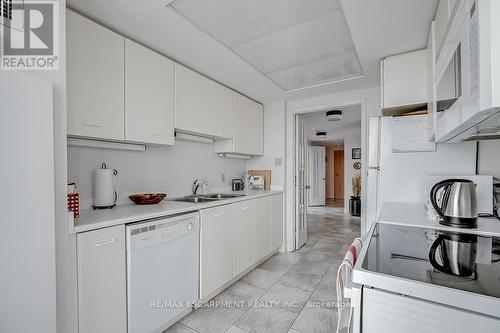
(159, 169)
(489, 158)
(274, 144)
(351, 141)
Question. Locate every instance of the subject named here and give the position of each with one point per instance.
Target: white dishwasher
(162, 271)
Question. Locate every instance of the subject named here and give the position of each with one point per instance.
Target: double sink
(208, 197)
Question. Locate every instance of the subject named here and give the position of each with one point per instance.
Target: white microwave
(467, 67)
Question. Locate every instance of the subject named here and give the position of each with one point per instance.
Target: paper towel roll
(104, 188)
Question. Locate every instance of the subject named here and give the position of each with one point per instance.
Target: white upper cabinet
(404, 79)
(441, 23)
(221, 111)
(95, 77)
(191, 101)
(149, 96)
(243, 125)
(258, 130)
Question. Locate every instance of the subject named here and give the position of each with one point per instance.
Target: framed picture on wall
(356, 153)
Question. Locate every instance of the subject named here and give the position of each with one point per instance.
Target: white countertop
(415, 215)
(123, 214)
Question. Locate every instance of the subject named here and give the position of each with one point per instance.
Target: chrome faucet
(196, 186)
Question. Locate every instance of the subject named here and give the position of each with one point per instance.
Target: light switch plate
(223, 178)
(278, 161)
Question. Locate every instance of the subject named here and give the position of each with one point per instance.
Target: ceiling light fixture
(334, 115)
(321, 134)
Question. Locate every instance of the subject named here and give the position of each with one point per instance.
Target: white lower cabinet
(244, 236)
(276, 221)
(102, 302)
(216, 249)
(263, 225)
(391, 313)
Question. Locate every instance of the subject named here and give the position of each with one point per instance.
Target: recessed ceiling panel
(295, 43)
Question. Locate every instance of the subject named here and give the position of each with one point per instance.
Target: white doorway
(317, 177)
(312, 189)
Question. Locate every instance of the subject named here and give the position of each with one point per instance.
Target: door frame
(290, 172)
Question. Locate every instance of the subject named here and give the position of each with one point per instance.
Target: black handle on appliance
(433, 194)
(432, 256)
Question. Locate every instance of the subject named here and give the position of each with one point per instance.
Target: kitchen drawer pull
(109, 241)
(262, 203)
(219, 215)
(244, 208)
(91, 125)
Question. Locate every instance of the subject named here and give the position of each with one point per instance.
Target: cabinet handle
(91, 125)
(154, 134)
(244, 208)
(109, 241)
(262, 203)
(218, 215)
(191, 123)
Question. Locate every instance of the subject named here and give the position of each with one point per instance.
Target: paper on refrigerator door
(409, 134)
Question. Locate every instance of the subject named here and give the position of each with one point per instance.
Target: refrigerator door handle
(374, 168)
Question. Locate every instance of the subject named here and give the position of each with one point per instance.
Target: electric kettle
(458, 206)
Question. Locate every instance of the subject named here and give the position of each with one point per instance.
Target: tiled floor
(290, 292)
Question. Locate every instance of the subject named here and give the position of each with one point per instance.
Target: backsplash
(159, 169)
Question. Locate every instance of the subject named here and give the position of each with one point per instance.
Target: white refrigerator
(400, 176)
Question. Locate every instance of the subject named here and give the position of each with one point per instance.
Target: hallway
(290, 292)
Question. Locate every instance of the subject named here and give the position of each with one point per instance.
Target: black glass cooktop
(456, 260)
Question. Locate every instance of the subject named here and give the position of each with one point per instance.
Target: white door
(300, 184)
(317, 176)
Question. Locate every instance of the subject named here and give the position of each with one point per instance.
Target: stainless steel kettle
(458, 203)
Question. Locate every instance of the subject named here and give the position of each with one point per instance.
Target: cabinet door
(149, 96)
(102, 303)
(191, 101)
(410, 315)
(221, 111)
(258, 131)
(276, 221)
(95, 78)
(244, 236)
(243, 120)
(441, 22)
(263, 224)
(405, 79)
(216, 249)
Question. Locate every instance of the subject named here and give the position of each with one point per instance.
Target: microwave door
(449, 87)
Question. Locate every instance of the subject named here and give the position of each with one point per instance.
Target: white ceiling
(336, 131)
(295, 43)
(378, 28)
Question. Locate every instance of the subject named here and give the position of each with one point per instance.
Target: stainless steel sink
(208, 197)
(194, 199)
(222, 195)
